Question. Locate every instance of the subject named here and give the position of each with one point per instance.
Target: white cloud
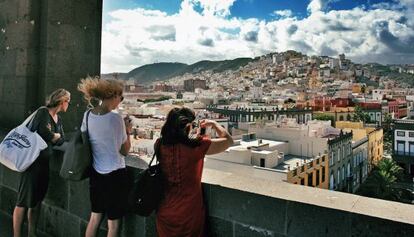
(283, 13)
(136, 37)
(319, 5)
(214, 7)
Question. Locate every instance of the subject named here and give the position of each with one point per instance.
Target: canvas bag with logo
(21, 147)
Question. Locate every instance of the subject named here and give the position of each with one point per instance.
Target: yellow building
(338, 113)
(314, 173)
(375, 139)
(375, 146)
(358, 88)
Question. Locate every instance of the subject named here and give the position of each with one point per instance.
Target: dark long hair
(176, 128)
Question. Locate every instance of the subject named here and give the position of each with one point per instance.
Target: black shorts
(108, 193)
(33, 183)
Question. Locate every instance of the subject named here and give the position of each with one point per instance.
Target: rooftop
(292, 162)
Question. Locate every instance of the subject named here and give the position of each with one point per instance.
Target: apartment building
(403, 144)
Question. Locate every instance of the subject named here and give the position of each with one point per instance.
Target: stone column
(19, 60)
(45, 45)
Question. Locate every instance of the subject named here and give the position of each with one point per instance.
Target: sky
(139, 32)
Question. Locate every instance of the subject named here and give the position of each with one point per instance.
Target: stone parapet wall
(237, 206)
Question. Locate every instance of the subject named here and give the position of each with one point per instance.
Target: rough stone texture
(71, 40)
(231, 213)
(370, 226)
(219, 228)
(67, 223)
(133, 225)
(247, 208)
(19, 44)
(45, 45)
(84, 224)
(79, 203)
(251, 231)
(11, 178)
(2, 167)
(150, 226)
(8, 200)
(303, 218)
(57, 194)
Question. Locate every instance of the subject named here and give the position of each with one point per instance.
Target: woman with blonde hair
(109, 138)
(35, 180)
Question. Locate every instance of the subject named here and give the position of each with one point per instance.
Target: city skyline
(136, 33)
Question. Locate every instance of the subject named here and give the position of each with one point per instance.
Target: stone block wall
(45, 45)
(19, 51)
(237, 206)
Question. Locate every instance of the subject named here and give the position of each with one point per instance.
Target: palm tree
(390, 166)
(382, 182)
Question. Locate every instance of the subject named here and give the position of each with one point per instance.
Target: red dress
(182, 212)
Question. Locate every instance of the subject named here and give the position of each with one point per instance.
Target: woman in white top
(109, 138)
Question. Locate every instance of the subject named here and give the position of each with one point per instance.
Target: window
(310, 179)
(400, 147)
(411, 134)
(339, 154)
(355, 158)
(411, 148)
(317, 177)
(323, 174)
(343, 173)
(401, 133)
(332, 158)
(339, 175)
(348, 170)
(331, 182)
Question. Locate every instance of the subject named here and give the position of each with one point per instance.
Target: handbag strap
(87, 120)
(29, 120)
(156, 152)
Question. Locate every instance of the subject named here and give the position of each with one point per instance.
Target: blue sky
(138, 32)
(261, 9)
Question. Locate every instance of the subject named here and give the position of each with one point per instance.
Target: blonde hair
(94, 87)
(57, 97)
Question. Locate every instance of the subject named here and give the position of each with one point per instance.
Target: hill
(163, 71)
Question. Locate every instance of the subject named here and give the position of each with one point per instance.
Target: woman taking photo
(109, 138)
(35, 180)
(182, 212)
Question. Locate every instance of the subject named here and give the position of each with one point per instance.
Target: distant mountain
(114, 75)
(155, 72)
(163, 71)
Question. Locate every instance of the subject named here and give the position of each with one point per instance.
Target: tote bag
(77, 160)
(21, 147)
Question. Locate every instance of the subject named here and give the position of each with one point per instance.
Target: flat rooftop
(227, 167)
(291, 160)
(255, 142)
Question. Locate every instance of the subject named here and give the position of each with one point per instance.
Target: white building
(333, 63)
(254, 152)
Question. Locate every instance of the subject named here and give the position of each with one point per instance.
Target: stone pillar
(19, 59)
(45, 45)
(71, 36)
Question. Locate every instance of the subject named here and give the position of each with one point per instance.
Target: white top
(106, 134)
